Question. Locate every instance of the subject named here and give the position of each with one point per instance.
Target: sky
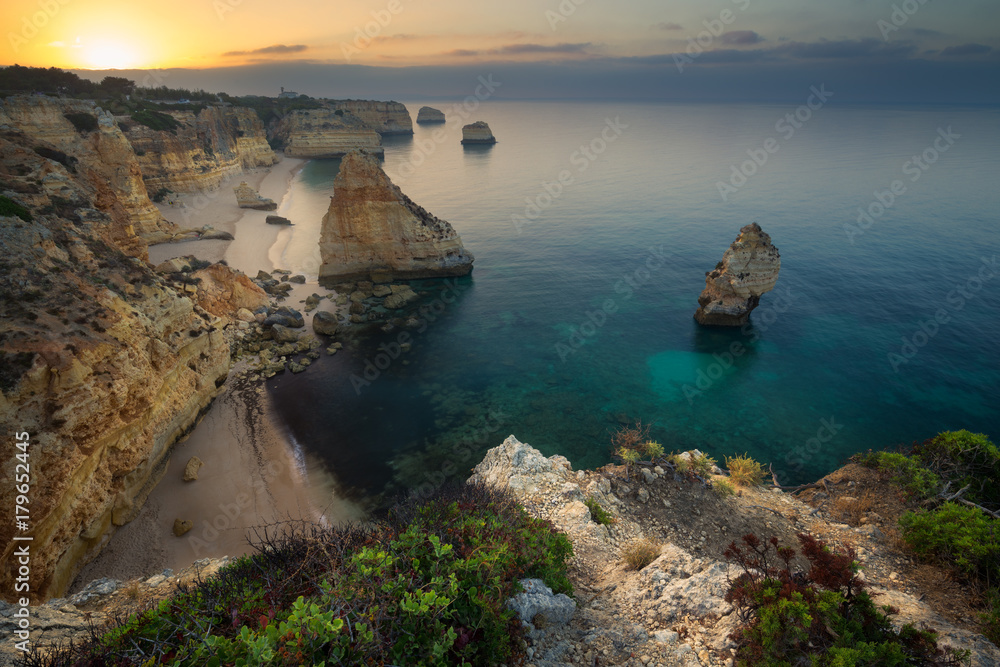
(873, 50)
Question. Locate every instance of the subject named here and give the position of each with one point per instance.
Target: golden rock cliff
(102, 156)
(384, 117)
(325, 133)
(207, 148)
(748, 269)
(104, 363)
(371, 227)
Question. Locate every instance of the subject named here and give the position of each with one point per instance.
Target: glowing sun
(105, 54)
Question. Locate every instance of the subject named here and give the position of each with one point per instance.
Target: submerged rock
(748, 269)
(372, 228)
(478, 133)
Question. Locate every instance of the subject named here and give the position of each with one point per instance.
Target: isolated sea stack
(477, 133)
(428, 115)
(748, 269)
(372, 230)
(247, 197)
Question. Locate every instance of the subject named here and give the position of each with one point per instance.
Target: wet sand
(254, 475)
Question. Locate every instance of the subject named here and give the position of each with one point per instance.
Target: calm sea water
(581, 318)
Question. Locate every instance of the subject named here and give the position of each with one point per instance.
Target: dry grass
(641, 553)
(723, 487)
(854, 508)
(744, 471)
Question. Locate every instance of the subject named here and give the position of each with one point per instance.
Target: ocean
(593, 225)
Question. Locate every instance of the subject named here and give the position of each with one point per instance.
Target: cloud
(276, 49)
(663, 25)
(521, 49)
(846, 48)
(740, 37)
(966, 50)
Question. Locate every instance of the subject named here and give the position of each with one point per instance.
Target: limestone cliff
(430, 115)
(478, 133)
(207, 148)
(104, 364)
(102, 156)
(325, 133)
(384, 117)
(748, 269)
(247, 197)
(372, 227)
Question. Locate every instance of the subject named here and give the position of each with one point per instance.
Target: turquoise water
(581, 318)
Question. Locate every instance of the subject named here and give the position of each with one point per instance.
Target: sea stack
(247, 197)
(748, 269)
(428, 115)
(373, 229)
(477, 133)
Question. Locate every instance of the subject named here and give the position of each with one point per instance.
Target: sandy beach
(254, 475)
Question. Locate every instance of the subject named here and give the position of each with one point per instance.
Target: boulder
(247, 197)
(297, 279)
(175, 265)
(401, 297)
(538, 606)
(286, 317)
(325, 323)
(282, 334)
(191, 469)
(748, 269)
(182, 526)
(277, 220)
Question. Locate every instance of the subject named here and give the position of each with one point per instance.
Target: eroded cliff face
(748, 269)
(104, 364)
(208, 148)
(103, 157)
(384, 117)
(371, 228)
(323, 133)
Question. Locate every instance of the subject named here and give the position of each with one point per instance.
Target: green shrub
(701, 464)
(10, 207)
(744, 471)
(907, 473)
(991, 619)
(653, 449)
(723, 488)
(83, 122)
(823, 617)
(598, 513)
(156, 120)
(959, 535)
(961, 459)
(425, 585)
(161, 194)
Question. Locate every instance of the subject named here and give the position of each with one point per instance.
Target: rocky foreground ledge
(670, 613)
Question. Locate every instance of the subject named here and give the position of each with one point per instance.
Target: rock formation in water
(102, 156)
(203, 151)
(386, 118)
(748, 269)
(247, 197)
(372, 227)
(325, 133)
(430, 115)
(477, 133)
(103, 362)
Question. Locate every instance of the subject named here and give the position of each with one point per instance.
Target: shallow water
(582, 317)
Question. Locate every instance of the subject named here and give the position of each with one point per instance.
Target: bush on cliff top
(156, 120)
(426, 585)
(822, 617)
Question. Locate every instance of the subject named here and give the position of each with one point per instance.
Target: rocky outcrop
(430, 115)
(477, 133)
(104, 363)
(277, 220)
(103, 157)
(748, 269)
(247, 197)
(207, 148)
(222, 291)
(325, 133)
(386, 118)
(371, 227)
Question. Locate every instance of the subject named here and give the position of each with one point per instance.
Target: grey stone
(538, 600)
(284, 334)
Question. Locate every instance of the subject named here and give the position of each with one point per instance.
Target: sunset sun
(108, 54)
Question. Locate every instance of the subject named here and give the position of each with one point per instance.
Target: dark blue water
(581, 318)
